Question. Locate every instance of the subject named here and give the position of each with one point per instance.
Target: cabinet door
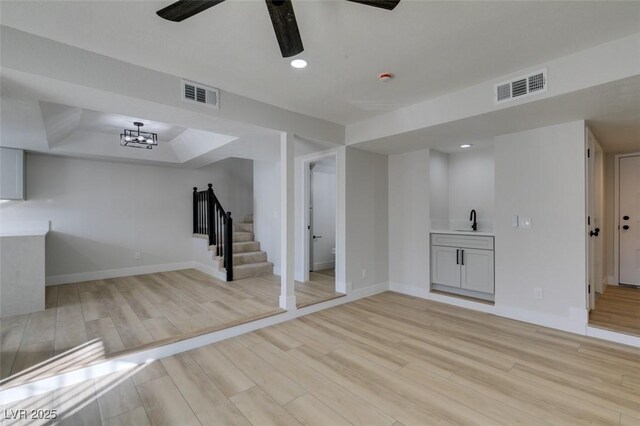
(11, 174)
(477, 270)
(444, 267)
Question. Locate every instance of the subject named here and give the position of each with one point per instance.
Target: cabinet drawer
(468, 241)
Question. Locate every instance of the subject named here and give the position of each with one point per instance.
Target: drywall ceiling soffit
(60, 121)
(432, 47)
(613, 110)
(71, 131)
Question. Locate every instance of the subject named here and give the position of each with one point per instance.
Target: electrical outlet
(364, 273)
(537, 293)
(137, 255)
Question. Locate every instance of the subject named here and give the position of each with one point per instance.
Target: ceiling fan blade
(383, 4)
(183, 9)
(285, 26)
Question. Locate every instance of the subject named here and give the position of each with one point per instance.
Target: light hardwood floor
(618, 309)
(386, 360)
(91, 320)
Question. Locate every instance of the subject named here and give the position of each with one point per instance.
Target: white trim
(576, 323)
(210, 270)
(131, 360)
(288, 303)
(116, 273)
(616, 215)
(324, 265)
(612, 336)
(611, 280)
(409, 290)
(302, 168)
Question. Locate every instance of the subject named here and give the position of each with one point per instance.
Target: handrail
(211, 219)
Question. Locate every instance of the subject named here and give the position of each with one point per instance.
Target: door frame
(590, 287)
(302, 209)
(616, 215)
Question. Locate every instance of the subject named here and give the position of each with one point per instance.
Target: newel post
(228, 244)
(210, 215)
(195, 210)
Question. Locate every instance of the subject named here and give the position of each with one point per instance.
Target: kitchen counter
(478, 233)
(22, 269)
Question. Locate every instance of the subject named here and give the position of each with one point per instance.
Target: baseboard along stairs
(248, 260)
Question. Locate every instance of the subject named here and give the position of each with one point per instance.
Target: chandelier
(137, 138)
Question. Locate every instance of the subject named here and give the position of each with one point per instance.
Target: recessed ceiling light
(298, 63)
(466, 145)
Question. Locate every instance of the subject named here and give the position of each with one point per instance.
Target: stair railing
(209, 218)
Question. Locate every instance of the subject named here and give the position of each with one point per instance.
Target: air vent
(521, 87)
(200, 94)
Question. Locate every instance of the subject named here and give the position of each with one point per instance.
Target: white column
(341, 228)
(287, 243)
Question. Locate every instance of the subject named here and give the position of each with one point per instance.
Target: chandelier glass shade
(138, 138)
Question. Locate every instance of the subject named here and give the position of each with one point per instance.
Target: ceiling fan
(281, 12)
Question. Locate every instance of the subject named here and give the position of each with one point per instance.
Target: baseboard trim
(409, 290)
(210, 270)
(611, 280)
(324, 265)
(138, 359)
(115, 273)
(613, 336)
(424, 293)
(575, 324)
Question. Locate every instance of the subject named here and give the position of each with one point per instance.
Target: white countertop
(457, 232)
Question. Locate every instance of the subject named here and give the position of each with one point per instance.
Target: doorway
(322, 216)
(320, 228)
(629, 220)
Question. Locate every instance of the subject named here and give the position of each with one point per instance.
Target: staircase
(248, 260)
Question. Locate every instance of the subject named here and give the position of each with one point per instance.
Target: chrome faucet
(474, 226)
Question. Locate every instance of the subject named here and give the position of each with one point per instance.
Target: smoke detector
(385, 76)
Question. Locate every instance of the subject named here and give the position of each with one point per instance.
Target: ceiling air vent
(522, 86)
(200, 94)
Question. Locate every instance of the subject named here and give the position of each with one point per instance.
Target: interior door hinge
(589, 288)
(588, 153)
(588, 220)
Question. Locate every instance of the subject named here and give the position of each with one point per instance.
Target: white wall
(438, 189)
(367, 218)
(409, 218)
(101, 213)
(541, 174)
(266, 214)
(471, 186)
(323, 190)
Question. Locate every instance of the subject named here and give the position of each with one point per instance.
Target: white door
(477, 270)
(629, 220)
(590, 226)
(445, 266)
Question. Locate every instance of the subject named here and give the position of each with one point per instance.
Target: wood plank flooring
(618, 309)
(86, 322)
(387, 360)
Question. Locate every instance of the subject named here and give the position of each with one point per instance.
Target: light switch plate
(525, 222)
(514, 221)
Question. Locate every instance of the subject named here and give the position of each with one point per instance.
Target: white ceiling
(431, 47)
